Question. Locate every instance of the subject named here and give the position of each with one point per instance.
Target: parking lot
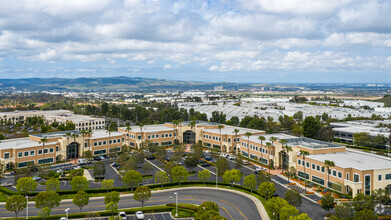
(151, 216)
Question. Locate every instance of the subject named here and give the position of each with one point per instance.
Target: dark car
(106, 157)
(13, 173)
(97, 158)
(208, 158)
(151, 157)
(205, 164)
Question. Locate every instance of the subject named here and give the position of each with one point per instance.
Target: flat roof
(230, 130)
(54, 134)
(104, 134)
(18, 143)
(311, 143)
(357, 160)
(279, 136)
(150, 128)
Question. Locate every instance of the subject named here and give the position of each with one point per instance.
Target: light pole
(176, 204)
(27, 210)
(66, 212)
(217, 175)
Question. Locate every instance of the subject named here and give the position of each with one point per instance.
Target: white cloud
(167, 67)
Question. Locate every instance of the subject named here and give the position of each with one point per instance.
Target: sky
(279, 41)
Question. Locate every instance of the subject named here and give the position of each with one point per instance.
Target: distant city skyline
(270, 41)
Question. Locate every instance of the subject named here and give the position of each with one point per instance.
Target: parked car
(36, 178)
(151, 157)
(13, 173)
(223, 155)
(83, 161)
(204, 164)
(59, 171)
(208, 158)
(122, 215)
(97, 158)
(63, 218)
(77, 167)
(139, 215)
(257, 169)
(245, 162)
(178, 163)
(207, 151)
(231, 157)
(105, 157)
(6, 184)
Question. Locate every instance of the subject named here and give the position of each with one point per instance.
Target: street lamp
(27, 210)
(176, 204)
(66, 212)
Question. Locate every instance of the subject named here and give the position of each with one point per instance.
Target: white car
(139, 215)
(6, 184)
(122, 215)
(63, 218)
(223, 155)
(257, 169)
(36, 178)
(77, 167)
(231, 157)
(207, 151)
(245, 162)
(59, 171)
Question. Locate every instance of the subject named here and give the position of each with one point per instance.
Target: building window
(99, 152)
(45, 151)
(339, 175)
(114, 141)
(39, 152)
(322, 169)
(308, 164)
(51, 150)
(229, 140)
(139, 137)
(379, 177)
(119, 140)
(104, 142)
(313, 166)
(32, 153)
(149, 136)
(56, 148)
(26, 153)
(388, 176)
(20, 154)
(46, 160)
(356, 178)
(110, 141)
(317, 167)
(334, 173)
(347, 176)
(95, 144)
(6, 155)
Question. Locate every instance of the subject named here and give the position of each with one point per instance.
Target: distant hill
(386, 100)
(108, 84)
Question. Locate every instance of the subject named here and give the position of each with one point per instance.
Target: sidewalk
(299, 185)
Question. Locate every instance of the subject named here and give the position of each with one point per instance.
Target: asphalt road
(232, 206)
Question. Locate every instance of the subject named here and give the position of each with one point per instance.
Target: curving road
(233, 206)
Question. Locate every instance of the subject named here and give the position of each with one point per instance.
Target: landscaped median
(254, 196)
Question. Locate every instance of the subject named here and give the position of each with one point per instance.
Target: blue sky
(220, 40)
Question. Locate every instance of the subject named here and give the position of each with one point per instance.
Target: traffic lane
(232, 205)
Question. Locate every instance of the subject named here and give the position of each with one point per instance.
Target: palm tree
(110, 130)
(236, 131)
(248, 134)
(273, 140)
(261, 138)
(175, 123)
(43, 141)
(304, 153)
(283, 142)
(74, 135)
(89, 133)
(268, 145)
(83, 134)
(327, 165)
(192, 124)
(141, 125)
(180, 127)
(220, 127)
(286, 149)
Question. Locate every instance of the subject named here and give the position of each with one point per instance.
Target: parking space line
(154, 165)
(206, 169)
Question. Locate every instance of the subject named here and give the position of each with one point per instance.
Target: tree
(222, 165)
(344, 210)
(48, 199)
(250, 182)
(132, 178)
(179, 174)
(311, 126)
(327, 202)
(108, 184)
(262, 139)
(204, 175)
(112, 196)
(381, 197)
(232, 176)
(99, 169)
(365, 214)
(191, 161)
(26, 185)
(168, 167)
(112, 208)
(327, 165)
(79, 183)
(269, 145)
(361, 202)
(287, 211)
(267, 189)
(45, 212)
(142, 194)
(87, 154)
(361, 139)
(53, 184)
(238, 163)
(161, 177)
(293, 197)
(303, 154)
(263, 176)
(236, 131)
(161, 152)
(302, 216)
(16, 203)
(326, 133)
(206, 207)
(286, 149)
(275, 205)
(81, 199)
(198, 153)
(147, 167)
